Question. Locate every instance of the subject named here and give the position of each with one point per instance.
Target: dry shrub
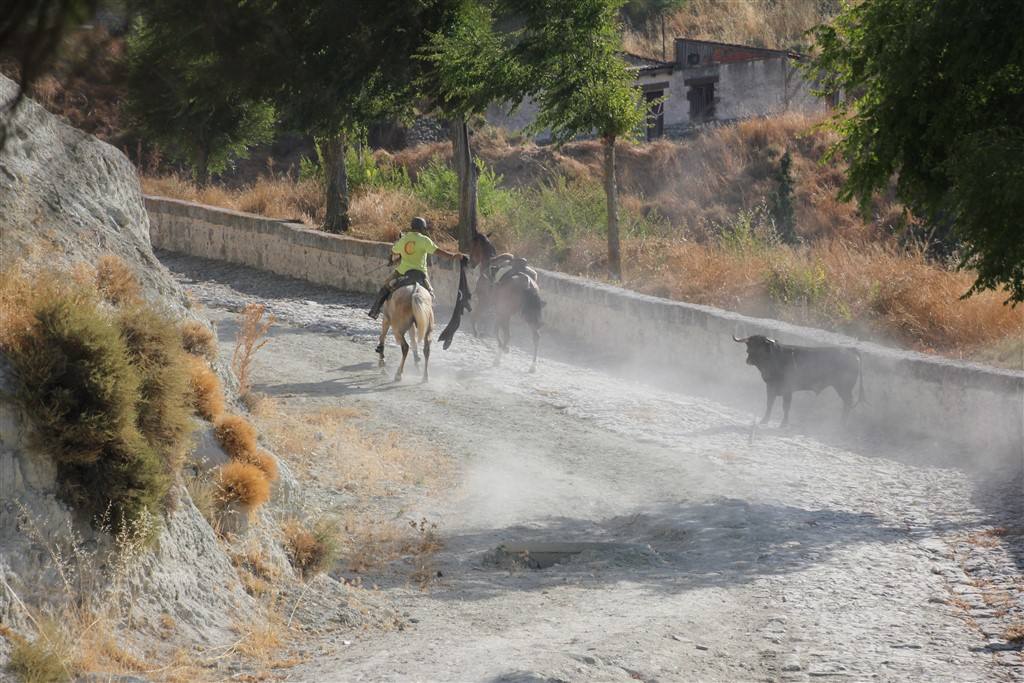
(252, 329)
(164, 392)
(117, 282)
(1014, 634)
(203, 492)
(102, 400)
(312, 549)
(236, 436)
(46, 659)
(267, 463)
(207, 395)
(242, 483)
(198, 339)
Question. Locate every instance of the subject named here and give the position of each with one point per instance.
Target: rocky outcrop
(66, 197)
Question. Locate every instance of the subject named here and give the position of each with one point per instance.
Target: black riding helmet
(418, 224)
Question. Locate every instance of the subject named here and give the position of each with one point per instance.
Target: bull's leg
(787, 399)
(385, 324)
(770, 403)
(498, 344)
(536, 343)
(846, 393)
(400, 338)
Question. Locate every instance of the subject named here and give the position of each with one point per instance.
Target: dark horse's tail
(532, 306)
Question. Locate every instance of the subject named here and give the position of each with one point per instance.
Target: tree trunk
(332, 157)
(202, 169)
(462, 157)
(611, 192)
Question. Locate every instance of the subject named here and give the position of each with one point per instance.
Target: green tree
(336, 67)
(180, 100)
(936, 96)
(468, 68)
(582, 84)
(781, 201)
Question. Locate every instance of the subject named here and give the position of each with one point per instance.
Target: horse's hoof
(533, 369)
(425, 380)
(398, 378)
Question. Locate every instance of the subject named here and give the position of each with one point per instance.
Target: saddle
(506, 266)
(412, 277)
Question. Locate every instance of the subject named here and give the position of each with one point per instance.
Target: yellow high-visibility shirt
(413, 248)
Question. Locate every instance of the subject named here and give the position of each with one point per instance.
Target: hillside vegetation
(762, 23)
(700, 224)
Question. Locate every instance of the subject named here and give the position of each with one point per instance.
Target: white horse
(408, 307)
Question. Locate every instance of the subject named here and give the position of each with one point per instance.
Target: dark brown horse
(505, 295)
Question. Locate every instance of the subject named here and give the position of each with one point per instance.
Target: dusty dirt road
(789, 558)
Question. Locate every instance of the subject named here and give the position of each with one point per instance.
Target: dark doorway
(702, 102)
(655, 113)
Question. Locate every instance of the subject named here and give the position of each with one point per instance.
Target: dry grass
(198, 339)
(325, 445)
(236, 436)
(1014, 634)
(263, 636)
(762, 23)
(252, 328)
(242, 483)
(117, 282)
(282, 198)
(207, 395)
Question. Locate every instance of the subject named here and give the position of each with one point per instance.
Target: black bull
(786, 369)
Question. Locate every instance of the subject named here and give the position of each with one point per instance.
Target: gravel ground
(789, 557)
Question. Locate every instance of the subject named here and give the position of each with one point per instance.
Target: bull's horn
(741, 341)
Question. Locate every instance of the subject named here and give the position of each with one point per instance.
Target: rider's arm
(453, 255)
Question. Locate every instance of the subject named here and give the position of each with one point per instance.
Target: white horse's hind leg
(384, 325)
(400, 338)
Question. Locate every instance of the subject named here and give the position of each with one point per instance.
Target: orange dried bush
(117, 282)
(207, 395)
(242, 483)
(197, 339)
(267, 463)
(236, 436)
(312, 549)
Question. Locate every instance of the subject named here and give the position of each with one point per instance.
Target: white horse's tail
(422, 312)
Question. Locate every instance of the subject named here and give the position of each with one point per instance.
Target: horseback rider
(411, 252)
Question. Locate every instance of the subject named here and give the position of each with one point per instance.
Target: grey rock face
(65, 196)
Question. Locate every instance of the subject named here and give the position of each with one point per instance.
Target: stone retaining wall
(968, 411)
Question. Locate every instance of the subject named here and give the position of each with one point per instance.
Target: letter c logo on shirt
(410, 248)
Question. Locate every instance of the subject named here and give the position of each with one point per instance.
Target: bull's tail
(532, 306)
(860, 377)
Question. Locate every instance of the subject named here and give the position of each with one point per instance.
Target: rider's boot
(382, 296)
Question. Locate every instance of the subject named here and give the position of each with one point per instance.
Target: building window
(655, 113)
(702, 101)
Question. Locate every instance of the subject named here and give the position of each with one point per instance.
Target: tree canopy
(936, 96)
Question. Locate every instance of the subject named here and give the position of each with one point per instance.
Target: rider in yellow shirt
(411, 251)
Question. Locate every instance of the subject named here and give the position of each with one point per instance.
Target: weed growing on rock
(198, 339)
(116, 282)
(207, 395)
(242, 484)
(236, 436)
(45, 659)
(312, 549)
